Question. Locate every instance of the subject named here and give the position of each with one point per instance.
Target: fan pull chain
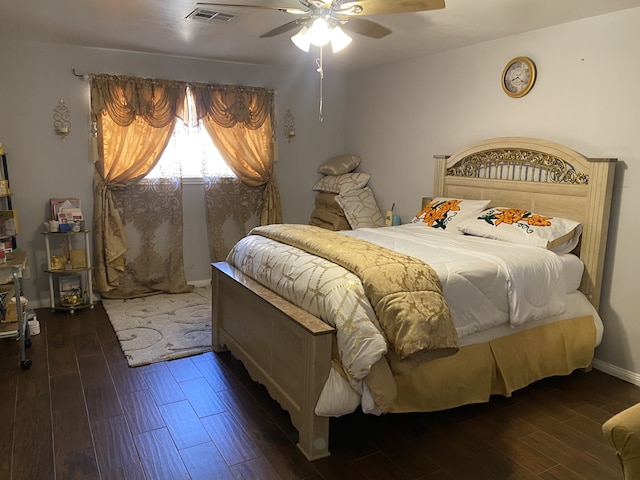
(320, 70)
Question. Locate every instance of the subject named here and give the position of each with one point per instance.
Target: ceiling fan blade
(366, 28)
(295, 11)
(384, 7)
(284, 28)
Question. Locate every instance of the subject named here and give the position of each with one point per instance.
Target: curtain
(134, 120)
(151, 211)
(241, 122)
(233, 209)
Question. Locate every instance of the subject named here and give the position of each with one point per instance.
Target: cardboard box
(9, 223)
(69, 207)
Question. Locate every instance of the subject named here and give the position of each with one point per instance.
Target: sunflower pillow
(524, 227)
(447, 213)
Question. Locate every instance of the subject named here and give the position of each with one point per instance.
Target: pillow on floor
(339, 165)
(342, 183)
(360, 208)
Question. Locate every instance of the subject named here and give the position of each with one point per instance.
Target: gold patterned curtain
(240, 120)
(134, 119)
(233, 209)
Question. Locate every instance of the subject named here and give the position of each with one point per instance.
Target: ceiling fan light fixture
(319, 34)
(301, 39)
(339, 39)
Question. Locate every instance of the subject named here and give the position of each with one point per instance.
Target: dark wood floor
(81, 413)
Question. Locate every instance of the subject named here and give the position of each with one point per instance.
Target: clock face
(518, 77)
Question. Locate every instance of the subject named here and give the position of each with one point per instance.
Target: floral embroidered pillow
(521, 226)
(447, 213)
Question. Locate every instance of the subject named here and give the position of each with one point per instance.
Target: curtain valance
(231, 105)
(157, 102)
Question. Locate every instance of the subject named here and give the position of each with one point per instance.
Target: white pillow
(360, 208)
(446, 213)
(339, 165)
(521, 226)
(342, 183)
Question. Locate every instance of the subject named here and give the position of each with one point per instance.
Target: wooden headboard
(542, 177)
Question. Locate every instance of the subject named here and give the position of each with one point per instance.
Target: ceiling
(161, 26)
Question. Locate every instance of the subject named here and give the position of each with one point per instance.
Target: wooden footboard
(282, 347)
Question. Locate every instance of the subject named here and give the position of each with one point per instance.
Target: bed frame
(289, 350)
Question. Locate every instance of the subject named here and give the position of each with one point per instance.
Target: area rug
(162, 327)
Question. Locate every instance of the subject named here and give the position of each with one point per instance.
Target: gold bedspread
(406, 293)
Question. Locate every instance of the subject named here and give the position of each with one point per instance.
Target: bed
(293, 352)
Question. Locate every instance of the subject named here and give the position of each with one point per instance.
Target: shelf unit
(63, 244)
(16, 262)
(5, 198)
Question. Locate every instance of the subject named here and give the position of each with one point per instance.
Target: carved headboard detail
(518, 164)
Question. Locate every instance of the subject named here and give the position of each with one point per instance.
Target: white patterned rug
(162, 327)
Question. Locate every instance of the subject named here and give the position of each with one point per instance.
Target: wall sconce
(62, 120)
(289, 126)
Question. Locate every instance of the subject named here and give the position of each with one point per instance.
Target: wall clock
(518, 77)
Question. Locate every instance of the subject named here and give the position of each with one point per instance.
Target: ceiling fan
(322, 21)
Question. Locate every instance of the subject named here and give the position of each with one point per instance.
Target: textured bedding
(482, 281)
(405, 292)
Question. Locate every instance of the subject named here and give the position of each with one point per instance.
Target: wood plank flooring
(81, 413)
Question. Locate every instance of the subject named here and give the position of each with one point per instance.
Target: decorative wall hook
(62, 120)
(289, 126)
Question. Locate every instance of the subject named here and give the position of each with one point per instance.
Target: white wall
(586, 97)
(34, 77)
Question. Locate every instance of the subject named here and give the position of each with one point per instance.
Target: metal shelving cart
(16, 263)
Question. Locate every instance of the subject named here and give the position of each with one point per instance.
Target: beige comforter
(405, 293)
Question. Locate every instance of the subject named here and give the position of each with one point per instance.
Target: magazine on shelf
(70, 287)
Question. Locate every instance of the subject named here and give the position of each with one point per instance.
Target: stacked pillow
(344, 201)
(328, 214)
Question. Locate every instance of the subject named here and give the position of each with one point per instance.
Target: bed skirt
(497, 367)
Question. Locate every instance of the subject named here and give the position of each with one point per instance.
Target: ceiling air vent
(209, 15)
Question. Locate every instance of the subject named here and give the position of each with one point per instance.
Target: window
(190, 153)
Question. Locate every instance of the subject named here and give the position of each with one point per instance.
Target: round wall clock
(518, 77)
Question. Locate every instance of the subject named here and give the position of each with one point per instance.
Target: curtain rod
(84, 77)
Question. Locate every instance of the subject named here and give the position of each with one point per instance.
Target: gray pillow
(339, 165)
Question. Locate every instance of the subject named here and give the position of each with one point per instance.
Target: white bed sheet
(577, 306)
